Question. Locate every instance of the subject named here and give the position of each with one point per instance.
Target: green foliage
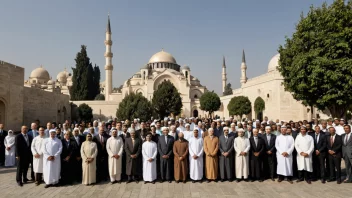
(316, 61)
(85, 112)
(85, 78)
(166, 100)
(210, 102)
(239, 105)
(259, 105)
(228, 90)
(99, 97)
(134, 106)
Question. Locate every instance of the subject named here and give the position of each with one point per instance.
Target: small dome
(50, 82)
(185, 68)
(162, 57)
(62, 76)
(273, 63)
(40, 73)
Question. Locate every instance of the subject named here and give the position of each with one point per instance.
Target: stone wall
(46, 106)
(102, 110)
(11, 95)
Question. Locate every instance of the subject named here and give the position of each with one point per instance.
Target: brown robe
(211, 147)
(180, 149)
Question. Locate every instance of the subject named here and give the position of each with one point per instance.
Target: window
(195, 96)
(186, 74)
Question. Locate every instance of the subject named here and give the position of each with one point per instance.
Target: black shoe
(177, 182)
(193, 181)
(129, 181)
(184, 181)
(272, 179)
(20, 184)
(261, 180)
(145, 182)
(161, 181)
(208, 181)
(47, 186)
(37, 183)
(308, 182)
(221, 180)
(170, 181)
(299, 180)
(338, 182)
(153, 182)
(279, 180)
(290, 181)
(347, 181)
(323, 181)
(252, 180)
(137, 181)
(25, 181)
(237, 180)
(230, 180)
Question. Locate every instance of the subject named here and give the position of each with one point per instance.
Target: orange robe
(180, 149)
(211, 147)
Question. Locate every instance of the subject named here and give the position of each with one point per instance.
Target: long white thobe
(52, 169)
(37, 148)
(187, 135)
(149, 150)
(114, 146)
(10, 156)
(304, 144)
(339, 130)
(241, 144)
(284, 143)
(196, 165)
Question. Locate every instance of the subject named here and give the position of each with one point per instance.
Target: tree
(316, 61)
(99, 97)
(85, 112)
(166, 100)
(259, 105)
(210, 102)
(134, 106)
(228, 90)
(85, 78)
(239, 106)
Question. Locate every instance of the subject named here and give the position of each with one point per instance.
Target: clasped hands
(304, 154)
(89, 160)
(51, 158)
(116, 156)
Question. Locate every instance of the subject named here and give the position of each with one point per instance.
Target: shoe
(261, 180)
(237, 181)
(309, 182)
(153, 182)
(118, 181)
(170, 181)
(208, 181)
(338, 182)
(230, 180)
(193, 181)
(252, 180)
(184, 181)
(246, 180)
(137, 181)
(221, 180)
(129, 181)
(279, 180)
(299, 180)
(37, 183)
(323, 181)
(347, 181)
(161, 181)
(25, 181)
(177, 182)
(20, 184)
(145, 182)
(216, 181)
(272, 179)
(47, 186)
(290, 181)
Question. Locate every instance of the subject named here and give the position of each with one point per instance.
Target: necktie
(256, 141)
(268, 138)
(77, 140)
(331, 140)
(316, 138)
(346, 139)
(226, 138)
(165, 139)
(132, 142)
(26, 138)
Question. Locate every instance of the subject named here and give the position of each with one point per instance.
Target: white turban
(267, 127)
(233, 124)
(222, 123)
(240, 130)
(164, 128)
(52, 131)
(187, 125)
(226, 128)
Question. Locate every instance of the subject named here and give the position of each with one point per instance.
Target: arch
(2, 112)
(195, 113)
(158, 80)
(186, 74)
(259, 107)
(196, 94)
(139, 91)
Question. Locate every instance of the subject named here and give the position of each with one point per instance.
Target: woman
(89, 153)
(10, 157)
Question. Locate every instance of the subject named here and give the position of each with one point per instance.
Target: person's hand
(244, 153)
(78, 158)
(8, 148)
(269, 152)
(317, 152)
(180, 158)
(37, 155)
(226, 154)
(302, 154)
(195, 157)
(67, 158)
(150, 159)
(18, 158)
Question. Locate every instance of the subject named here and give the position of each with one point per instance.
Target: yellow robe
(211, 147)
(89, 150)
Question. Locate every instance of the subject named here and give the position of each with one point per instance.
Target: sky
(197, 33)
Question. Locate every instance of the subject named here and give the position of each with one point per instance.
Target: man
(347, 152)
(338, 128)
(149, 152)
(23, 155)
(37, 152)
(274, 130)
(68, 154)
(52, 149)
(294, 134)
(3, 134)
(77, 161)
(270, 153)
(241, 146)
(324, 127)
(33, 132)
(181, 127)
(65, 128)
(218, 131)
(304, 145)
(226, 157)
(319, 154)
(211, 147)
(133, 149)
(334, 147)
(257, 150)
(158, 128)
(165, 149)
(284, 145)
(48, 127)
(102, 158)
(180, 150)
(124, 134)
(59, 134)
(114, 147)
(142, 132)
(96, 127)
(196, 157)
(173, 132)
(89, 152)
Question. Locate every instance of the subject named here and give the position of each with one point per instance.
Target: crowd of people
(182, 149)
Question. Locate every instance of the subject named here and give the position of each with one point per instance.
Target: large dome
(40, 73)
(274, 63)
(162, 57)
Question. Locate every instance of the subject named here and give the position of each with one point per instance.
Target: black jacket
(321, 144)
(337, 145)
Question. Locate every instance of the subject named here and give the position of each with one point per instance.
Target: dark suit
(3, 134)
(294, 156)
(347, 155)
(69, 149)
(218, 131)
(256, 161)
(269, 159)
(166, 165)
(123, 162)
(142, 133)
(335, 159)
(77, 163)
(102, 157)
(319, 160)
(226, 163)
(133, 165)
(24, 155)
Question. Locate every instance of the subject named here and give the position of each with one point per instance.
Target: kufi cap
(279, 124)
(335, 118)
(187, 125)
(267, 127)
(52, 131)
(233, 124)
(222, 122)
(240, 130)
(284, 127)
(226, 128)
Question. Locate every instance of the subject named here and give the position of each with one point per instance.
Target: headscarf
(10, 138)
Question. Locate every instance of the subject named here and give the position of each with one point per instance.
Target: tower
(224, 79)
(243, 69)
(108, 61)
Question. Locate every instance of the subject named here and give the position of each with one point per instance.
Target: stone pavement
(9, 188)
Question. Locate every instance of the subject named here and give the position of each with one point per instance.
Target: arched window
(195, 96)
(186, 74)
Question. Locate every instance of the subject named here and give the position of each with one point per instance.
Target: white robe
(10, 156)
(37, 148)
(149, 150)
(114, 146)
(187, 135)
(196, 165)
(304, 144)
(284, 143)
(52, 169)
(241, 144)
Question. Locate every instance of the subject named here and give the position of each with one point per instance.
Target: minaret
(224, 79)
(243, 69)
(108, 61)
